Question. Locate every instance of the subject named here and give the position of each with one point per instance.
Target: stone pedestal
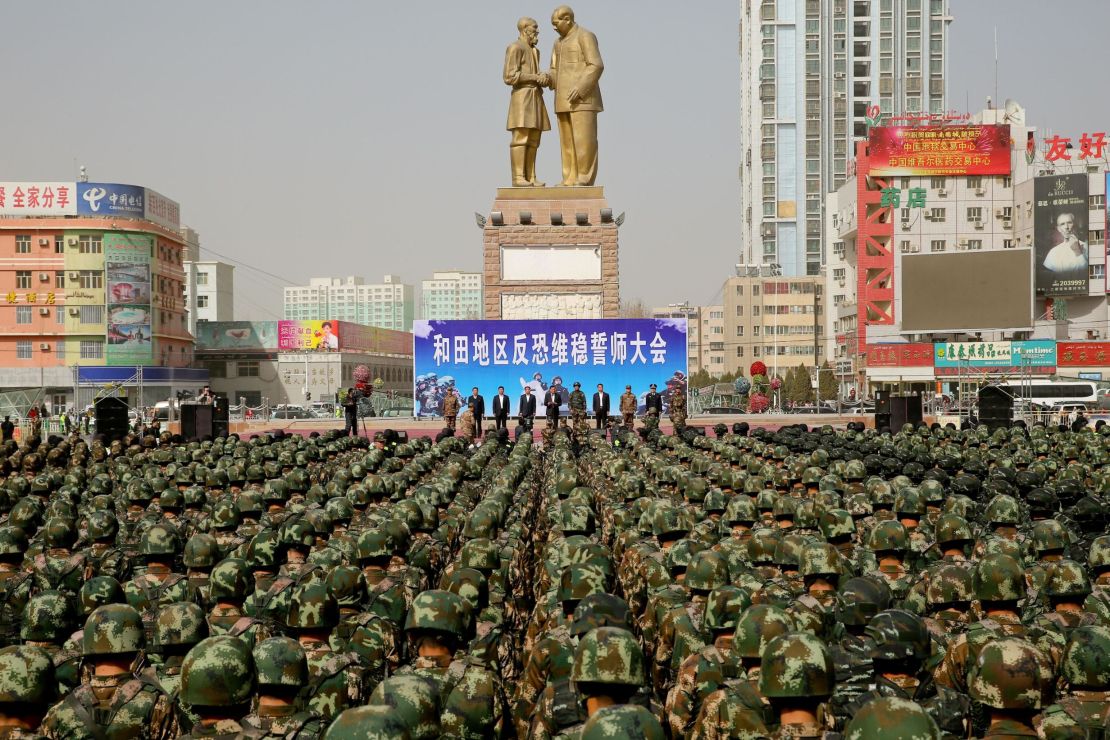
(551, 253)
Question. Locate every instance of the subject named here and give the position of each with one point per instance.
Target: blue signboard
(455, 356)
(110, 199)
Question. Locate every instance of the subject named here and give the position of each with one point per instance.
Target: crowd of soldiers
(931, 583)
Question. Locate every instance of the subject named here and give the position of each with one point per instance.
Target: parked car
(292, 412)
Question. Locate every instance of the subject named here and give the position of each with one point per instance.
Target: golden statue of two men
(574, 73)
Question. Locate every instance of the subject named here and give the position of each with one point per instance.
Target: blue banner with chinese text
(455, 356)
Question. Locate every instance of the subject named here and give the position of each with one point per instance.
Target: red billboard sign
(1083, 354)
(907, 151)
(917, 354)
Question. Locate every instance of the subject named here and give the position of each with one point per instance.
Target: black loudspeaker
(904, 410)
(220, 415)
(111, 417)
(996, 408)
(882, 421)
(882, 402)
(196, 420)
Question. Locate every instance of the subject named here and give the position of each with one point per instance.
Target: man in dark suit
(601, 407)
(477, 406)
(501, 408)
(551, 402)
(527, 408)
(654, 402)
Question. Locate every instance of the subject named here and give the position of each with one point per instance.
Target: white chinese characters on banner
(597, 348)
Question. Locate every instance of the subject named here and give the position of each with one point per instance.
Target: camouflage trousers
(629, 420)
(449, 421)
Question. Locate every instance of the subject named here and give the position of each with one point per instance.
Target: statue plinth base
(540, 263)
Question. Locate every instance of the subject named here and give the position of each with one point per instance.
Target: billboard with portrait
(906, 151)
(127, 288)
(1060, 250)
(314, 336)
(455, 356)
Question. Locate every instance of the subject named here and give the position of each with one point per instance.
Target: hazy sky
(335, 138)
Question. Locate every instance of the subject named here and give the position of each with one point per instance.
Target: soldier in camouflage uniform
(48, 620)
(677, 408)
(282, 673)
(415, 701)
(15, 582)
(609, 668)
(1081, 711)
(891, 717)
(217, 683)
(796, 675)
(336, 680)
(116, 699)
(628, 407)
(27, 688)
(471, 696)
(577, 406)
(1012, 679)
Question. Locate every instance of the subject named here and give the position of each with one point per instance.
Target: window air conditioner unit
(980, 191)
(999, 212)
(43, 241)
(977, 224)
(43, 277)
(1007, 224)
(73, 241)
(905, 226)
(941, 192)
(74, 276)
(44, 311)
(44, 345)
(74, 312)
(962, 244)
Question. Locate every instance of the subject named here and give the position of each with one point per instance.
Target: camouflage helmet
(439, 611)
(1098, 557)
(1049, 534)
(757, 626)
(707, 570)
(1003, 509)
(226, 515)
(897, 635)
(414, 700)
(312, 607)
(1009, 673)
(374, 722)
(374, 544)
(820, 559)
(26, 676)
(480, 554)
(201, 551)
(579, 581)
(1067, 579)
(281, 661)
(13, 540)
(298, 535)
(861, 598)
(159, 540)
(59, 532)
(229, 580)
(888, 536)
(179, 624)
(998, 577)
(836, 523)
(98, 591)
(102, 526)
(609, 655)
(724, 607)
(892, 718)
(1086, 662)
(113, 629)
(622, 721)
(600, 610)
(470, 584)
(797, 664)
(218, 672)
(347, 585)
(47, 617)
(950, 586)
(952, 528)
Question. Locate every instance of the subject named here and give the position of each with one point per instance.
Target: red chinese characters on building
(917, 354)
(36, 199)
(1083, 354)
(1091, 146)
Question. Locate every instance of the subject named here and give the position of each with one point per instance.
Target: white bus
(1053, 393)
